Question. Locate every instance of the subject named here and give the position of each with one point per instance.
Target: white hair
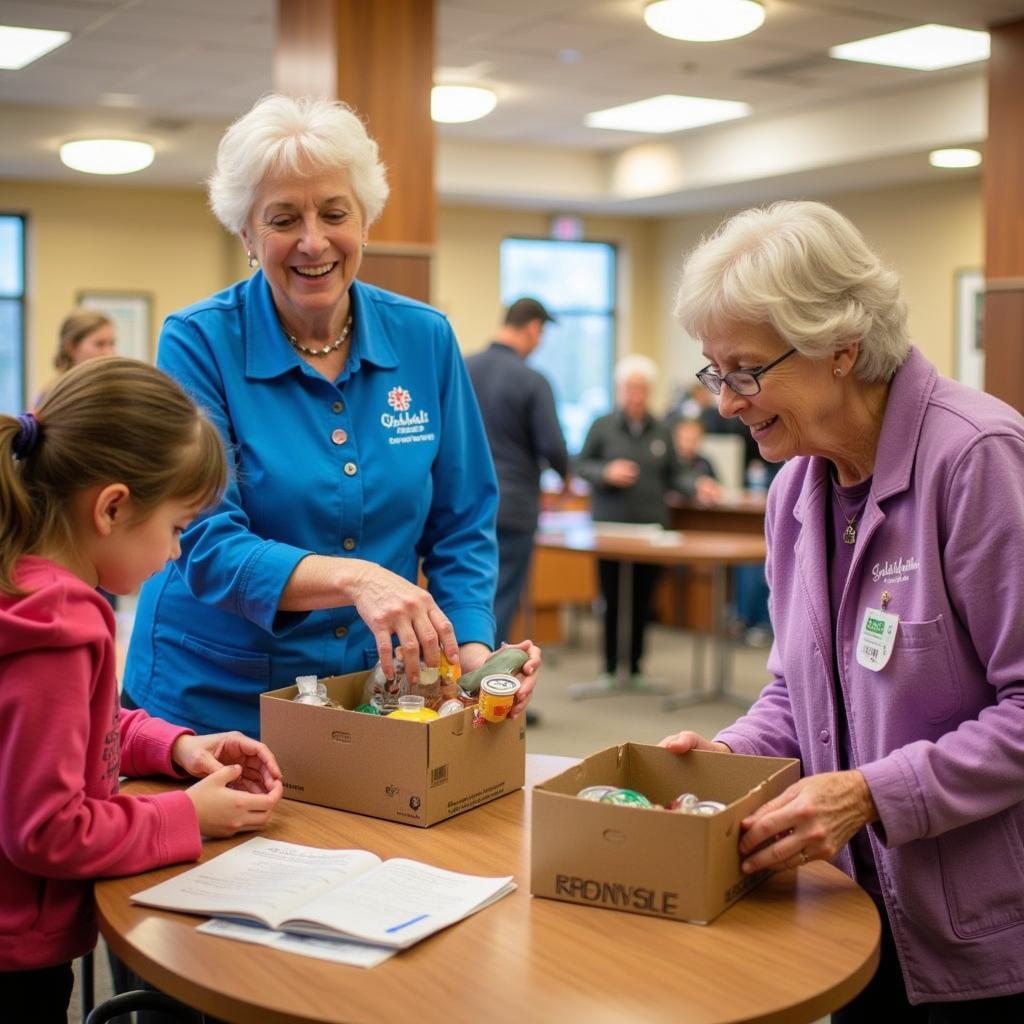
(635, 366)
(293, 136)
(805, 270)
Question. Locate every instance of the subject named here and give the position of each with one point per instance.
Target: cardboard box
(417, 773)
(644, 861)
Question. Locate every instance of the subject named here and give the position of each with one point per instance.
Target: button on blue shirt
(388, 463)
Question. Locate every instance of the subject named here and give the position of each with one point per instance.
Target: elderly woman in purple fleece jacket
(896, 565)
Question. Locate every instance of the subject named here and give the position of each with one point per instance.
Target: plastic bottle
(312, 691)
(412, 708)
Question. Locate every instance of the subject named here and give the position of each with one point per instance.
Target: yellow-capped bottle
(412, 709)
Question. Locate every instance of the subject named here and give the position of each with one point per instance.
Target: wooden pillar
(377, 56)
(1004, 217)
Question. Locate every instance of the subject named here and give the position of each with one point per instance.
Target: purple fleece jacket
(939, 732)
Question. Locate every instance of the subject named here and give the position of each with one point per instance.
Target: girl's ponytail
(18, 521)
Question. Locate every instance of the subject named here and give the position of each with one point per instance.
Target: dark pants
(515, 548)
(644, 579)
(40, 996)
(885, 998)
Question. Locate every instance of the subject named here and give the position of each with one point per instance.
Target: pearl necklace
(327, 349)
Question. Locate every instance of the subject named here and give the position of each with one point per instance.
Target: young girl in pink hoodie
(95, 489)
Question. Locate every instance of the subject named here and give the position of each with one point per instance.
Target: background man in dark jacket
(518, 409)
(629, 460)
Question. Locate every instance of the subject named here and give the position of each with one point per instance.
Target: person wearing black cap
(518, 409)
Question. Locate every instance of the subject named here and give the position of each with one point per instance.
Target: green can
(625, 798)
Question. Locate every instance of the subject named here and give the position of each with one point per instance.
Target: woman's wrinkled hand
(391, 605)
(812, 820)
(684, 742)
(474, 655)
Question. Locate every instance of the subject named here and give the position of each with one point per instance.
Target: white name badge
(877, 637)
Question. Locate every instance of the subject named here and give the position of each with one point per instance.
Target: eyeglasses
(741, 382)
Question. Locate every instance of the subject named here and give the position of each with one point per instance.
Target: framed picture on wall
(132, 317)
(970, 318)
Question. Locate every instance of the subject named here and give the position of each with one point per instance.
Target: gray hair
(293, 136)
(805, 270)
(635, 366)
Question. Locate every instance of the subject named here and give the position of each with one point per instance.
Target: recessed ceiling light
(454, 104)
(704, 21)
(954, 158)
(20, 46)
(666, 114)
(106, 156)
(925, 48)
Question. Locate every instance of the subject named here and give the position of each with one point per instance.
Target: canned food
(626, 798)
(595, 792)
(497, 695)
(683, 802)
(706, 807)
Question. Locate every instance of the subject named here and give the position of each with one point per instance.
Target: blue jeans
(751, 595)
(515, 549)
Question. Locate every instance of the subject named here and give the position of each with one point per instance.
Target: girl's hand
(203, 755)
(389, 604)
(474, 655)
(224, 810)
(812, 820)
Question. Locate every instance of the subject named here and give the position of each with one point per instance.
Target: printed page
(263, 880)
(398, 903)
(339, 951)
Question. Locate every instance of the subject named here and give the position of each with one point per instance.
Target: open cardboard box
(644, 861)
(417, 773)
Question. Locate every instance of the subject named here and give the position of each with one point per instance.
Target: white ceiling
(188, 66)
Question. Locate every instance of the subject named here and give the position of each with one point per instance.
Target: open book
(347, 894)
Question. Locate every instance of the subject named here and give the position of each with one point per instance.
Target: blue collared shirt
(388, 463)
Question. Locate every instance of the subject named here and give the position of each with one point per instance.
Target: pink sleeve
(146, 744)
(56, 819)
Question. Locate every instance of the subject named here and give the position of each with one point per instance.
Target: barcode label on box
(439, 775)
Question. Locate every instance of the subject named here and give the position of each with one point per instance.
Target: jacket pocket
(923, 672)
(983, 874)
(236, 661)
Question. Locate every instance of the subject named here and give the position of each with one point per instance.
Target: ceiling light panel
(925, 48)
(667, 113)
(19, 47)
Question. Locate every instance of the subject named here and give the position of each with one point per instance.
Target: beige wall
(166, 243)
(163, 242)
(925, 232)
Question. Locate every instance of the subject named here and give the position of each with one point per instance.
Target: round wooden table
(800, 945)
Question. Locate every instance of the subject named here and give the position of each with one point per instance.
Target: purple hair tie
(27, 437)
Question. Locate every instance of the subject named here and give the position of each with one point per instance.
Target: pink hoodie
(64, 741)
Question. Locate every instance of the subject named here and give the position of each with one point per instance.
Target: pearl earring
(838, 372)
(253, 262)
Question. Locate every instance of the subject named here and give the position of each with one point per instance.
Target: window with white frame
(12, 313)
(576, 283)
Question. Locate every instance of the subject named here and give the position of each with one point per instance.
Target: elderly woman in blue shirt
(357, 444)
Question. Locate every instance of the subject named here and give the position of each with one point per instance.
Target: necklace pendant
(850, 534)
